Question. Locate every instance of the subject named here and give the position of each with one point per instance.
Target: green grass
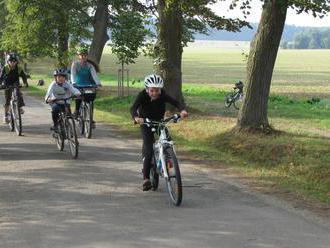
(297, 160)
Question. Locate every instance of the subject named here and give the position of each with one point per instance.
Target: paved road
(49, 200)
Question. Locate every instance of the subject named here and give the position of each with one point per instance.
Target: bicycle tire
(88, 120)
(228, 99)
(59, 136)
(173, 170)
(81, 124)
(154, 176)
(72, 137)
(237, 102)
(17, 119)
(11, 123)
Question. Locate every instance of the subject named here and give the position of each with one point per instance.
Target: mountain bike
(15, 115)
(86, 111)
(165, 163)
(66, 129)
(235, 97)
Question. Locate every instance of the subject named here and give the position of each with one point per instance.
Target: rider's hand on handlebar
(138, 120)
(184, 114)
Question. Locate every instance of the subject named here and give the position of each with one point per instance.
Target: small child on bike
(151, 103)
(57, 90)
(10, 75)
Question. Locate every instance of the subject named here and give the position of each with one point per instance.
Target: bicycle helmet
(60, 71)
(153, 80)
(12, 57)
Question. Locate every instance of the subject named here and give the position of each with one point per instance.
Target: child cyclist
(57, 90)
(10, 75)
(151, 103)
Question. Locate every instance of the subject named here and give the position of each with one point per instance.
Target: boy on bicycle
(57, 90)
(10, 75)
(151, 103)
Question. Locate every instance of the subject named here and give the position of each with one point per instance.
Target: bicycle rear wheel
(228, 100)
(88, 119)
(72, 137)
(173, 182)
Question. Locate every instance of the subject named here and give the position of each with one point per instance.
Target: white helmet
(154, 81)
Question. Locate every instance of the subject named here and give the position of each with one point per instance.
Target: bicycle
(86, 111)
(165, 163)
(15, 122)
(235, 97)
(66, 129)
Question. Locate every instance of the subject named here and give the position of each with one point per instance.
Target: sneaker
(146, 185)
(21, 110)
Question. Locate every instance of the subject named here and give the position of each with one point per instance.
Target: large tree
(44, 27)
(263, 52)
(177, 20)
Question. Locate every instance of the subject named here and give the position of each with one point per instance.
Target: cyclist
(239, 85)
(150, 103)
(10, 75)
(83, 73)
(59, 89)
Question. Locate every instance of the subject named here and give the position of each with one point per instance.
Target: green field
(297, 159)
(304, 72)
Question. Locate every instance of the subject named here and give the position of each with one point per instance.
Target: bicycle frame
(162, 141)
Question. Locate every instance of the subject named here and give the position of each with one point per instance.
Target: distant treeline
(312, 38)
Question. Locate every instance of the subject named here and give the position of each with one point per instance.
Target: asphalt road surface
(49, 200)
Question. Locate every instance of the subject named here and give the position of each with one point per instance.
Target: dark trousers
(147, 150)
(56, 109)
(8, 93)
(78, 104)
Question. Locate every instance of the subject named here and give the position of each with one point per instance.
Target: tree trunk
(260, 66)
(100, 35)
(63, 45)
(169, 47)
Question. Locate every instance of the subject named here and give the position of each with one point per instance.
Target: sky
(222, 8)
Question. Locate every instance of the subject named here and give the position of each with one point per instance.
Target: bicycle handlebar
(5, 87)
(175, 118)
(62, 99)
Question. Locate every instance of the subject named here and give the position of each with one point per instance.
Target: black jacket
(144, 107)
(11, 76)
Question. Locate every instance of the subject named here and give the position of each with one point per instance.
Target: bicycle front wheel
(11, 122)
(17, 118)
(154, 176)
(81, 117)
(72, 137)
(173, 182)
(88, 119)
(59, 136)
(238, 103)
